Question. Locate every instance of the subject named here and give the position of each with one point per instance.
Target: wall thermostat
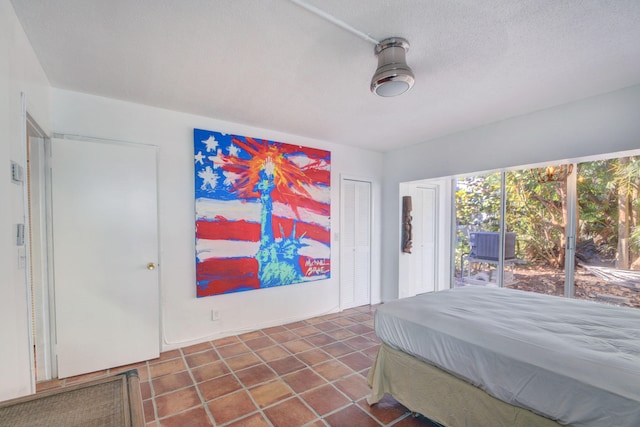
(17, 173)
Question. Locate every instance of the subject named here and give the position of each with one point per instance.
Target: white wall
(602, 124)
(20, 72)
(186, 319)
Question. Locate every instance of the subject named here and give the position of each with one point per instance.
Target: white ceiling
(275, 65)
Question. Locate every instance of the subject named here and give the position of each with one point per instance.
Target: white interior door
(425, 238)
(355, 254)
(104, 217)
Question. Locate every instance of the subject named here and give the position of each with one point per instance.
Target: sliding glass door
(478, 219)
(562, 229)
(607, 251)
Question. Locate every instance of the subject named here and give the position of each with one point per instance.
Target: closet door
(425, 239)
(355, 248)
(105, 250)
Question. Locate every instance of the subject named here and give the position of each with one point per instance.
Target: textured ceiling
(275, 65)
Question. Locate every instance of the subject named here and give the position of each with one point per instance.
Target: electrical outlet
(215, 315)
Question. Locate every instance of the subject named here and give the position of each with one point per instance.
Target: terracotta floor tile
(325, 399)
(210, 371)
(194, 418)
(356, 361)
(286, 365)
(297, 346)
(168, 367)
(243, 361)
(255, 420)
(258, 343)
(85, 377)
(145, 390)
(313, 357)
(171, 382)
(272, 353)
(225, 341)
(143, 372)
(372, 352)
(386, 411)
(140, 367)
(290, 413)
(218, 387)
(270, 393)
(351, 416)
(202, 358)
(338, 349)
(255, 375)
(295, 325)
(303, 380)
(284, 336)
(307, 330)
(177, 401)
(327, 326)
(267, 386)
(167, 355)
(320, 340)
(274, 329)
(373, 337)
(333, 370)
(233, 350)
(359, 342)
(197, 348)
(251, 335)
(354, 386)
(340, 334)
(344, 321)
(49, 385)
(360, 329)
(229, 407)
(149, 411)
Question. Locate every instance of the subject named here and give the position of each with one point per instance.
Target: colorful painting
(262, 213)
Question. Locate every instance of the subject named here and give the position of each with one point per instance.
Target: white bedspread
(574, 361)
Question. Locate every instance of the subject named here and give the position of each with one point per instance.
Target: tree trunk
(562, 191)
(622, 255)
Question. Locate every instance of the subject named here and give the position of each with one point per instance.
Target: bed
(485, 356)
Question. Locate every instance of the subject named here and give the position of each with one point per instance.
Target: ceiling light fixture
(393, 76)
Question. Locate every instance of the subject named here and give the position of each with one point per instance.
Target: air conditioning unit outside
(486, 244)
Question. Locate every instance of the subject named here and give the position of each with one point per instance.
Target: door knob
(151, 266)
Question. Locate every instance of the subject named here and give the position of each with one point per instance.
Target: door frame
(370, 181)
(44, 339)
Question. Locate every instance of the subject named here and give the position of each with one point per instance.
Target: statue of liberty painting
(262, 213)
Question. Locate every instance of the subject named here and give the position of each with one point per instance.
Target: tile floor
(307, 373)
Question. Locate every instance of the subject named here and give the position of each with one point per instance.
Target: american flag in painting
(262, 213)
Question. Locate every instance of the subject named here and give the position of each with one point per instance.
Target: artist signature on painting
(316, 266)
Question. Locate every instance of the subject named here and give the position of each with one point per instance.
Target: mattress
(574, 361)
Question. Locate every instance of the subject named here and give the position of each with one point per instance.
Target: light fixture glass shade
(393, 76)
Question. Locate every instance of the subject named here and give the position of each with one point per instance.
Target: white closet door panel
(355, 279)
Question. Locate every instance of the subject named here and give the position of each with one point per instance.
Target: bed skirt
(442, 397)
